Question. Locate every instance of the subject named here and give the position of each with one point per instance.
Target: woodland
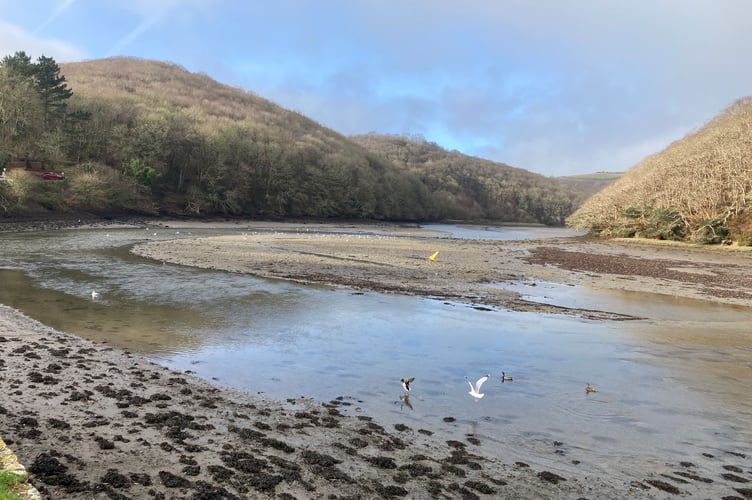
(144, 137)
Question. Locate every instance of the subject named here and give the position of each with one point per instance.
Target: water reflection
(666, 387)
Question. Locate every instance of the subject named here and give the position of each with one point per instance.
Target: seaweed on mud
(104, 444)
(51, 471)
(552, 478)
(38, 378)
(456, 444)
(464, 492)
(263, 481)
(141, 478)
(358, 442)
(80, 396)
(417, 470)
(170, 480)
(693, 477)
(277, 445)
(663, 486)
(115, 479)
(28, 422)
(314, 458)
(733, 477)
(258, 424)
(246, 433)
(345, 448)
(219, 473)
(243, 461)
(206, 491)
(174, 419)
(453, 470)
(481, 487)
(392, 491)
(383, 462)
(191, 470)
(58, 424)
(745, 492)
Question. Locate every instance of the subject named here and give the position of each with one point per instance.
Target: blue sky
(557, 87)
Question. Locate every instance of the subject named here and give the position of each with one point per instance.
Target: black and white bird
(406, 383)
(475, 389)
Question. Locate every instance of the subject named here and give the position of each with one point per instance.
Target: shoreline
(90, 421)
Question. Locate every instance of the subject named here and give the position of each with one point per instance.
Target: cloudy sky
(556, 87)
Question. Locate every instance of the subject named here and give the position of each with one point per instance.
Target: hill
(151, 137)
(697, 189)
(475, 188)
(589, 184)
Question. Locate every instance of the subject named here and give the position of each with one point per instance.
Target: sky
(556, 87)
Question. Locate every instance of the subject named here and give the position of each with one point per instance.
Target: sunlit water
(669, 390)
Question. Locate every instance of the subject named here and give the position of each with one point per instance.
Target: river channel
(670, 389)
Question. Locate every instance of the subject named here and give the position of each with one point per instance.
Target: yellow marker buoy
(433, 257)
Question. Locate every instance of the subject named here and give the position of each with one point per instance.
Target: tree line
(149, 137)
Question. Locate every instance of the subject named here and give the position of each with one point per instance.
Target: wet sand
(90, 421)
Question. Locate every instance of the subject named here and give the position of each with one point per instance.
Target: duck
(406, 383)
(505, 377)
(589, 388)
(475, 389)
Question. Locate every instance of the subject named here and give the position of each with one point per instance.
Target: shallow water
(670, 387)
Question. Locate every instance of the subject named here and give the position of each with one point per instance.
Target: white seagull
(475, 389)
(94, 294)
(406, 383)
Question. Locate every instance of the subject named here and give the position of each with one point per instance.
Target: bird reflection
(405, 399)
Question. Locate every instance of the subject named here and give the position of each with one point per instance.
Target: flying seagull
(475, 389)
(406, 383)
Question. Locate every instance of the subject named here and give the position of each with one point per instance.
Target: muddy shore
(90, 421)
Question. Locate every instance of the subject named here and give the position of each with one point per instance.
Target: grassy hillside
(697, 189)
(476, 188)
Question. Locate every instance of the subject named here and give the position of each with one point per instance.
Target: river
(671, 388)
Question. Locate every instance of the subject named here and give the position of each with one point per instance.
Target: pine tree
(52, 89)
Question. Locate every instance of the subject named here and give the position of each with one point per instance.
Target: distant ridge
(697, 189)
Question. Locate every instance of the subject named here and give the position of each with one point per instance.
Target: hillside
(697, 189)
(150, 137)
(589, 184)
(476, 188)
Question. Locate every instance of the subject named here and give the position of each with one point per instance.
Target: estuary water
(671, 387)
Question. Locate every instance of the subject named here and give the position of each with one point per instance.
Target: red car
(53, 176)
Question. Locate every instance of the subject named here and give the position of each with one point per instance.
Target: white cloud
(14, 39)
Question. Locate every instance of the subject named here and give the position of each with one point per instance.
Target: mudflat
(91, 421)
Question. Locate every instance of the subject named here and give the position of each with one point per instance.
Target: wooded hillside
(697, 189)
(151, 137)
(468, 187)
